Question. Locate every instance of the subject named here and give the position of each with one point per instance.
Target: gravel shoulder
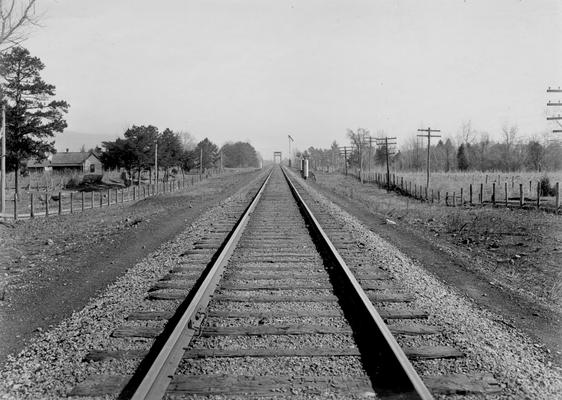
(50, 267)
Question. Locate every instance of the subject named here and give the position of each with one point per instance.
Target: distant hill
(73, 141)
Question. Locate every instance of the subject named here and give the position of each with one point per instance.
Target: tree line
(465, 153)
(468, 153)
(144, 147)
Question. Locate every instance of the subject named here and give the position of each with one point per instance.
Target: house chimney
(67, 150)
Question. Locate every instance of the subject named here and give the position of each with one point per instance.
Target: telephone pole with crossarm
(428, 135)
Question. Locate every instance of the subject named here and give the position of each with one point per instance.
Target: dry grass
(453, 182)
(45, 189)
(519, 248)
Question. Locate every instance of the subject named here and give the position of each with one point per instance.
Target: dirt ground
(50, 267)
(507, 261)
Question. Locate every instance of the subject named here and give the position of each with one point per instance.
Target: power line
(555, 104)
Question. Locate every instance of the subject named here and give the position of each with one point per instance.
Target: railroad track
(277, 312)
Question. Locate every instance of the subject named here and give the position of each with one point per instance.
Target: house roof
(70, 158)
(66, 159)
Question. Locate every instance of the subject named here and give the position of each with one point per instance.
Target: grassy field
(506, 184)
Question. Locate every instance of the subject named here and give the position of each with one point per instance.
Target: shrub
(73, 181)
(545, 188)
(92, 179)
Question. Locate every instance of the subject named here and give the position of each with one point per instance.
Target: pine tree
(462, 160)
(32, 116)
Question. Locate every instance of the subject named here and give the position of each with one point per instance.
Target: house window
(92, 168)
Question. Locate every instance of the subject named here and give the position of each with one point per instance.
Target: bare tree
(188, 140)
(358, 139)
(509, 134)
(467, 134)
(15, 17)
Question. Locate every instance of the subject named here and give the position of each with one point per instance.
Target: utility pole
(555, 103)
(3, 162)
(428, 135)
(384, 143)
(290, 140)
(345, 149)
(156, 162)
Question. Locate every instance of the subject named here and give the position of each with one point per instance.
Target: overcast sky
(259, 70)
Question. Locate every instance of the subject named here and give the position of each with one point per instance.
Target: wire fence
(32, 204)
(496, 193)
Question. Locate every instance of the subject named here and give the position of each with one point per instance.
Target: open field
(454, 188)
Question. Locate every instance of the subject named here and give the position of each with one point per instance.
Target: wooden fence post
(454, 199)
(462, 196)
(557, 203)
(506, 197)
(470, 193)
(521, 198)
(447, 199)
(31, 206)
(71, 198)
(494, 193)
(15, 206)
(482, 193)
(538, 195)
(432, 198)
(60, 203)
(46, 204)
(438, 196)
(82, 197)
(92, 200)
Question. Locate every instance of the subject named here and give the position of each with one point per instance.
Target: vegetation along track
(278, 313)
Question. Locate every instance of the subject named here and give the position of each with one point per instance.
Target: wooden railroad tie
(103, 384)
(261, 330)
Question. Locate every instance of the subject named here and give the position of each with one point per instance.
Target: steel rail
(159, 375)
(393, 348)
